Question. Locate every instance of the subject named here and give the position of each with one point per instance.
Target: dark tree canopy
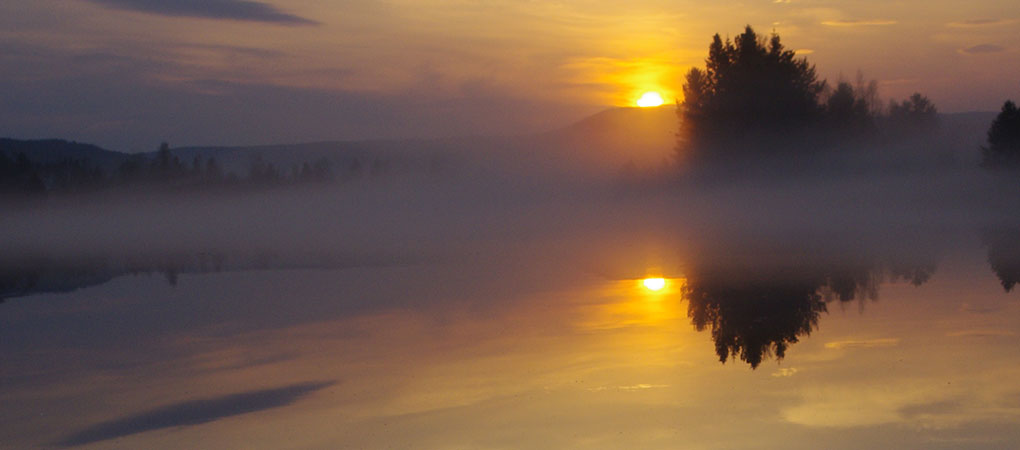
(850, 111)
(756, 102)
(754, 321)
(751, 84)
(1003, 148)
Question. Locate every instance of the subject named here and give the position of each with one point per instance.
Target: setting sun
(654, 284)
(650, 99)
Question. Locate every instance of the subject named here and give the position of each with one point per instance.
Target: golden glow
(650, 99)
(629, 303)
(654, 284)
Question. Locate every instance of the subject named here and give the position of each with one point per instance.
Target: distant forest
(36, 168)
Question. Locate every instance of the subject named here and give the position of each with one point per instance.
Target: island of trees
(756, 100)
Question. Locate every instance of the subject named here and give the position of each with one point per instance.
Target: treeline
(22, 176)
(755, 99)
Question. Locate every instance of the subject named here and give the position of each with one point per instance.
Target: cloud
(129, 102)
(857, 23)
(899, 81)
(863, 343)
(244, 10)
(981, 333)
(940, 407)
(633, 387)
(193, 413)
(785, 372)
(982, 48)
(984, 309)
(980, 23)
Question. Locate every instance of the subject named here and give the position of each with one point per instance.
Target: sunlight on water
(500, 354)
(628, 303)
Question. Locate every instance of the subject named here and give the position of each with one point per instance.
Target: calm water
(527, 336)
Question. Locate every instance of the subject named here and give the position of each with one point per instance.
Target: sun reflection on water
(654, 284)
(653, 301)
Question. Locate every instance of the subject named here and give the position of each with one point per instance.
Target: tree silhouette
(753, 320)
(756, 106)
(1003, 148)
(850, 111)
(915, 115)
(751, 89)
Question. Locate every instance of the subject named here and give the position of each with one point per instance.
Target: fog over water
(403, 308)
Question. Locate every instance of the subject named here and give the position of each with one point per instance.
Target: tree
(163, 157)
(1003, 148)
(850, 111)
(915, 115)
(751, 90)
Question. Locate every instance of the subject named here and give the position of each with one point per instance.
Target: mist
(488, 195)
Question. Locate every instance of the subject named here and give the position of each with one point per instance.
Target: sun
(654, 284)
(650, 99)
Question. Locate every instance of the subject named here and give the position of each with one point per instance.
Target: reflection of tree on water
(755, 316)
(1004, 256)
(45, 275)
(20, 277)
(753, 320)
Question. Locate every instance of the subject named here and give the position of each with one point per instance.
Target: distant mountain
(610, 138)
(618, 136)
(607, 140)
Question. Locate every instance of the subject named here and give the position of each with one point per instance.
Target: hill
(53, 151)
(616, 137)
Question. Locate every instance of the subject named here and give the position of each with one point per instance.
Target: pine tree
(1003, 150)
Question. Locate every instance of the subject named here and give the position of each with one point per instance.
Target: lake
(514, 318)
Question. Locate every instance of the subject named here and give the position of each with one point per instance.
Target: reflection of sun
(650, 99)
(654, 284)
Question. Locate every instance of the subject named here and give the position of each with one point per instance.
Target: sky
(128, 74)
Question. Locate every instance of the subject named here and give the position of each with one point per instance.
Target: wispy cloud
(930, 408)
(862, 343)
(979, 309)
(982, 48)
(244, 10)
(981, 333)
(980, 23)
(857, 23)
(633, 387)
